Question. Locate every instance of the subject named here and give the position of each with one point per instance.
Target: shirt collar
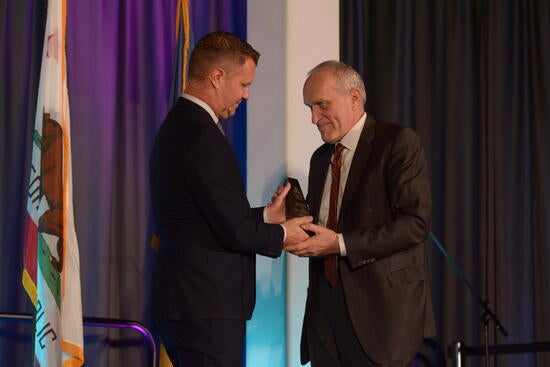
(351, 138)
(203, 104)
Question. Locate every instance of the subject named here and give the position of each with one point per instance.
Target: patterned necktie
(331, 262)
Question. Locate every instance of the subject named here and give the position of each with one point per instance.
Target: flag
(183, 42)
(52, 269)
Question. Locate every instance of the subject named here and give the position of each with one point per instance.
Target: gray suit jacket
(385, 219)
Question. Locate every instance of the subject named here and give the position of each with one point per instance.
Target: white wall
(293, 36)
(266, 169)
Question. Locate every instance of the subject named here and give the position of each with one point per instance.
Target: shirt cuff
(342, 245)
(283, 227)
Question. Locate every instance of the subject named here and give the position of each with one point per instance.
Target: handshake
(303, 238)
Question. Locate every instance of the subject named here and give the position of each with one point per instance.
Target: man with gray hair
(369, 299)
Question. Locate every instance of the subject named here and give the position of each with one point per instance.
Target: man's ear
(215, 76)
(356, 97)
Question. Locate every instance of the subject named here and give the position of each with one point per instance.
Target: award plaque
(295, 204)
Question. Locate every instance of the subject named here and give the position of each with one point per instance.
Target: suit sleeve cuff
(265, 221)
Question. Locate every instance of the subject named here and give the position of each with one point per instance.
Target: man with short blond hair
(204, 282)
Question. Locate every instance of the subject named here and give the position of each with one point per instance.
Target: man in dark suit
(369, 300)
(204, 282)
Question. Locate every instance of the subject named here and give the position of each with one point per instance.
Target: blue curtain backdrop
(120, 57)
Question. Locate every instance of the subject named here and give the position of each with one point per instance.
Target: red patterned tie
(331, 262)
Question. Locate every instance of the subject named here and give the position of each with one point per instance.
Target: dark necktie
(331, 262)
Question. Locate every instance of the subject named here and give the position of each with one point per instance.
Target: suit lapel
(359, 162)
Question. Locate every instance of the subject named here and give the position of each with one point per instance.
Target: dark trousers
(203, 343)
(331, 338)
(332, 341)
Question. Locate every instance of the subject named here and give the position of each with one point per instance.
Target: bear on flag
(51, 275)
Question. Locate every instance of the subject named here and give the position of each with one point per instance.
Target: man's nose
(315, 115)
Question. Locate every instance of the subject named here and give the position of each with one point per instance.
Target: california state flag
(52, 269)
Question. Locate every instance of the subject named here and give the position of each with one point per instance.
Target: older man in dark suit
(369, 299)
(204, 284)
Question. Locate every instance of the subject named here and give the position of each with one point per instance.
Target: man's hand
(294, 231)
(275, 209)
(324, 243)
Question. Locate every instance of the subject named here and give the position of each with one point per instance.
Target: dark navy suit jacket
(208, 233)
